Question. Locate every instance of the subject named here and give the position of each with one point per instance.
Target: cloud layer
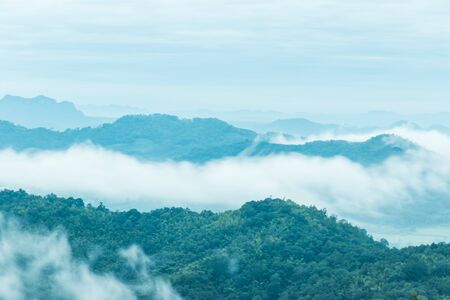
(411, 191)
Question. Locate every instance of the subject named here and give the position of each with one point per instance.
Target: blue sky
(285, 55)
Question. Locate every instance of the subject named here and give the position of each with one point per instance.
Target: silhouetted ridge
(374, 150)
(42, 111)
(163, 137)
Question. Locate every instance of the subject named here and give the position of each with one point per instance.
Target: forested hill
(271, 249)
(163, 137)
(152, 137)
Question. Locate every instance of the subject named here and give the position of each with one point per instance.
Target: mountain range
(45, 112)
(164, 137)
(304, 127)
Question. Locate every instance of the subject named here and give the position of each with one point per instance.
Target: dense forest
(270, 249)
(163, 137)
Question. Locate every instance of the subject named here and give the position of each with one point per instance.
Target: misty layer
(41, 266)
(409, 191)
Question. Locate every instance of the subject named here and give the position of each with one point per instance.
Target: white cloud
(146, 285)
(406, 192)
(41, 266)
(290, 25)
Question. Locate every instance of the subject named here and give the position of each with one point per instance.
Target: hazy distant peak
(111, 110)
(168, 118)
(294, 120)
(381, 112)
(44, 99)
(39, 100)
(405, 123)
(43, 111)
(392, 140)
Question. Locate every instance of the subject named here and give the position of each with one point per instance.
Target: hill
(153, 137)
(300, 126)
(374, 150)
(164, 137)
(44, 112)
(271, 249)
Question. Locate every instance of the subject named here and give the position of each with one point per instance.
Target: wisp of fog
(41, 266)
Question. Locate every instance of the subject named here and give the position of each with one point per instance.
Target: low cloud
(407, 192)
(41, 266)
(153, 288)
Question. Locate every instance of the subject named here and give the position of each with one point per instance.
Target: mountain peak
(43, 111)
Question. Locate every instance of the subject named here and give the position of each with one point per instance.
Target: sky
(188, 55)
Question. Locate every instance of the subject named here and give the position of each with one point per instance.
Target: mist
(41, 266)
(431, 140)
(407, 192)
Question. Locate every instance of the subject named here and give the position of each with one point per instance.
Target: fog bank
(409, 192)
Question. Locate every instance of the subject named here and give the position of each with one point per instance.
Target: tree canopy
(270, 249)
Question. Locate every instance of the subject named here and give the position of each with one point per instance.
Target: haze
(185, 56)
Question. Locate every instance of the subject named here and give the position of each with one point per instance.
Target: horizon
(202, 55)
(288, 114)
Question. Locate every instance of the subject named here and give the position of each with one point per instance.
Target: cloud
(289, 25)
(41, 266)
(410, 192)
(89, 31)
(156, 288)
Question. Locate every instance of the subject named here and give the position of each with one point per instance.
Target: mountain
(300, 126)
(378, 119)
(44, 112)
(163, 137)
(271, 249)
(374, 150)
(251, 119)
(154, 137)
(112, 111)
(304, 127)
(363, 119)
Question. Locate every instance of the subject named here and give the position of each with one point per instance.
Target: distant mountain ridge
(374, 150)
(301, 127)
(154, 137)
(112, 111)
(42, 111)
(164, 137)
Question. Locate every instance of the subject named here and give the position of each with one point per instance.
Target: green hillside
(271, 249)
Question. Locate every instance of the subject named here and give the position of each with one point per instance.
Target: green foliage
(271, 249)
